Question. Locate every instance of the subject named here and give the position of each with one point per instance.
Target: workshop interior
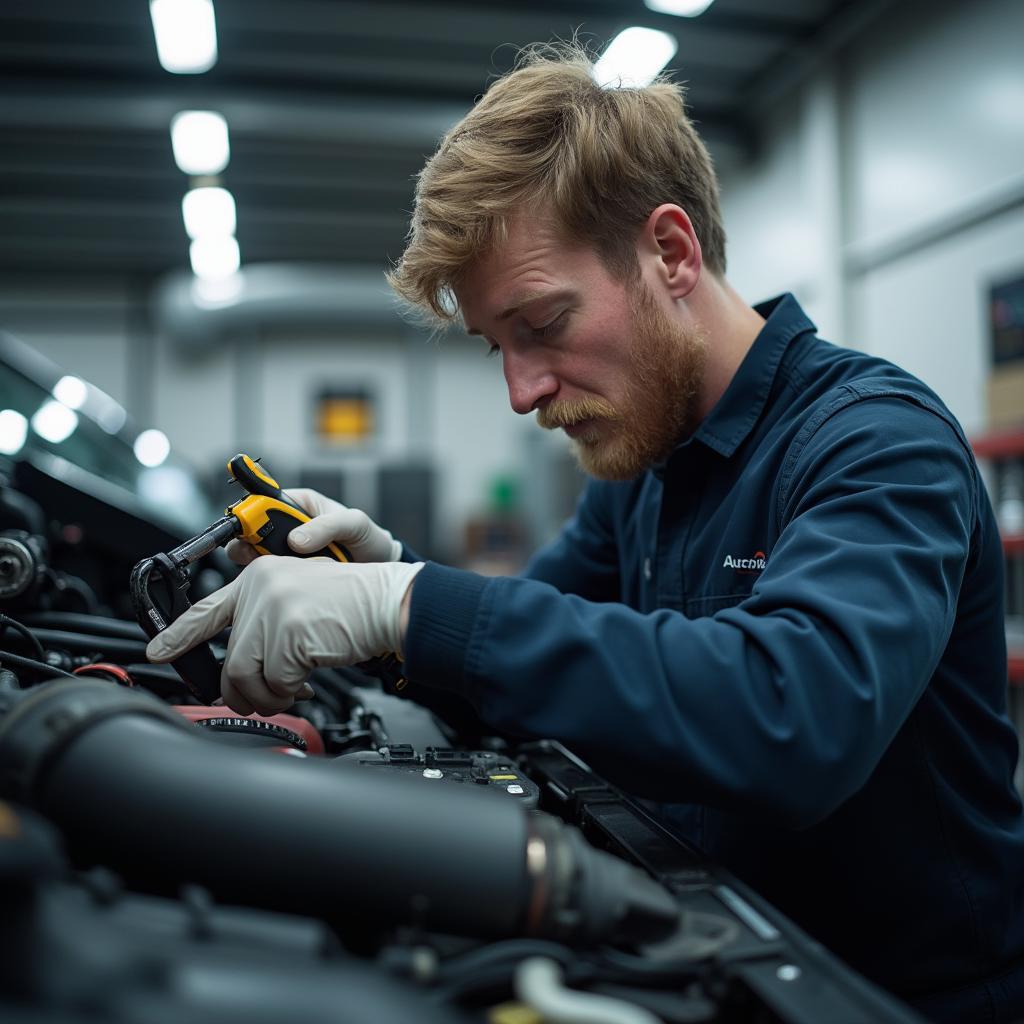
(199, 200)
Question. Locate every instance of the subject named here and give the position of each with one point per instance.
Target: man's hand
(331, 521)
(291, 615)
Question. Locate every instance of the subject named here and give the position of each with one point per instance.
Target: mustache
(574, 410)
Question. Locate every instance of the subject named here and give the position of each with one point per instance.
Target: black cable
(77, 622)
(110, 648)
(490, 970)
(501, 953)
(36, 666)
(7, 622)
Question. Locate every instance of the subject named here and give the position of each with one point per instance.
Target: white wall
(890, 192)
(781, 213)
(929, 312)
(194, 401)
(935, 117)
(935, 114)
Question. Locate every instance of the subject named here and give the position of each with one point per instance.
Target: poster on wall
(1006, 328)
(1007, 321)
(344, 415)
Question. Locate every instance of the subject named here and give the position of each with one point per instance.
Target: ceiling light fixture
(13, 431)
(72, 391)
(214, 257)
(54, 422)
(208, 210)
(186, 35)
(199, 139)
(151, 448)
(682, 8)
(634, 58)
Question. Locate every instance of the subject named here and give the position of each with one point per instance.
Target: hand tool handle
(268, 515)
(256, 480)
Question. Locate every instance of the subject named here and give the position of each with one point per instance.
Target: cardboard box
(1006, 395)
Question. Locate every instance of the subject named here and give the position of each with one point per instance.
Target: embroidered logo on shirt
(746, 566)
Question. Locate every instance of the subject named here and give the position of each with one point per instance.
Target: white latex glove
(332, 521)
(289, 616)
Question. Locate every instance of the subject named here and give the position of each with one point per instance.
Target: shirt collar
(736, 412)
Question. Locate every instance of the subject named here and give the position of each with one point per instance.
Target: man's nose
(527, 383)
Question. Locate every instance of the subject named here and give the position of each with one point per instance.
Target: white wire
(538, 983)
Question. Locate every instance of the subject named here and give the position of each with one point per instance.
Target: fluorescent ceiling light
(208, 211)
(684, 8)
(72, 391)
(214, 256)
(54, 422)
(199, 139)
(186, 35)
(13, 431)
(152, 448)
(634, 58)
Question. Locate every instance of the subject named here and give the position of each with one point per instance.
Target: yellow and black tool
(266, 515)
(159, 585)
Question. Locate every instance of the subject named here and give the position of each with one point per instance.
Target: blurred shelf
(1000, 444)
(1015, 668)
(996, 445)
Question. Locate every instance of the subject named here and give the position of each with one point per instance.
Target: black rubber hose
(131, 786)
(298, 835)
(111, 648)
(77, 622)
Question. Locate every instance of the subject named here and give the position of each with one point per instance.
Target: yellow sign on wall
(344, 417)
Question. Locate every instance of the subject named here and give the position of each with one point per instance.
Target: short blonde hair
(546, 136)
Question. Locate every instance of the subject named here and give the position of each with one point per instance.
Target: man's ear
(669, 245)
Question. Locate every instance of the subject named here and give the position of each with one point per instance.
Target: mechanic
(778, 609)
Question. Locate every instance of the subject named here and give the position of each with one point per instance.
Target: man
(778, 608)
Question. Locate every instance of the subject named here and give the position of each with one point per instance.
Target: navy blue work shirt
(790, 634)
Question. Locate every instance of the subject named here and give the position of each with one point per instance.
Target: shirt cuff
(442, 616)
(408, 555)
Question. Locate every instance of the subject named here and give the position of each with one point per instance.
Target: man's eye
(493, 351)
(550, 328)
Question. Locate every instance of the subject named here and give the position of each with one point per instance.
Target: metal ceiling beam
(475, 21)
(406, 124)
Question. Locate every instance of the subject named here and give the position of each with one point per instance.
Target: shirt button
(647, 569)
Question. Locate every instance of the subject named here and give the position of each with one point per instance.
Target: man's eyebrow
(523, 301)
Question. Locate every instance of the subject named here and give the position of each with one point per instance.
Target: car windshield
(61, 419)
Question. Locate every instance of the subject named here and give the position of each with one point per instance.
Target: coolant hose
(133, 786)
